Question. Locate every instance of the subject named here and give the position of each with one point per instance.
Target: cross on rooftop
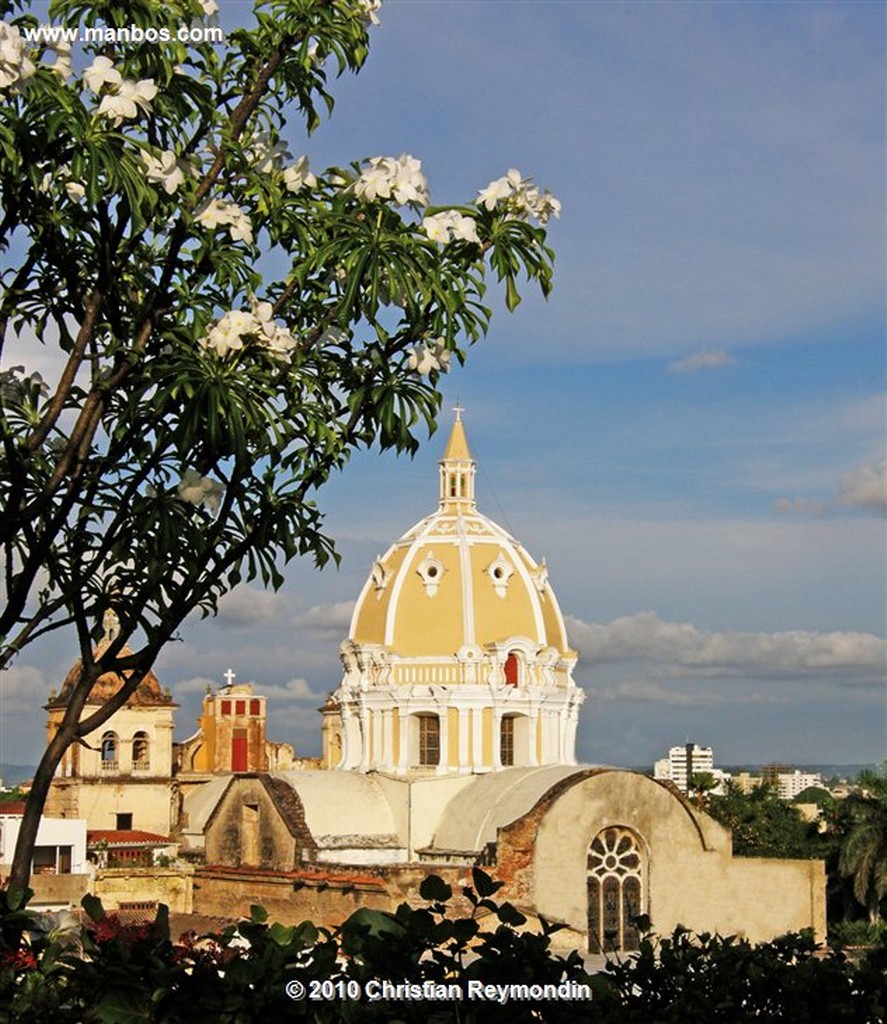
(458, 410)
(230, 677)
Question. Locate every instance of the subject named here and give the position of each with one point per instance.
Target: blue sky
(692, 429)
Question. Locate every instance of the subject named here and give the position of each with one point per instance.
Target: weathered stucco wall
(689, 875)
(172, 886)
(251, 827)
(322, 898)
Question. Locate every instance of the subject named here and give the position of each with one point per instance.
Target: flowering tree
(230, 325)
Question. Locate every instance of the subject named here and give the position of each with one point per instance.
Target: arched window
(141, 752)
(429, 741)
(110, 762)
(512, 669)
(615, 890)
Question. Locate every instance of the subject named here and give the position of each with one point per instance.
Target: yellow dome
(457, 658)
(457, 579)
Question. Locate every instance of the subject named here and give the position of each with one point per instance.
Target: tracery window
(615, 890)
(429, 741)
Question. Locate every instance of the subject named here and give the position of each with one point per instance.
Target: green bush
(52, 969)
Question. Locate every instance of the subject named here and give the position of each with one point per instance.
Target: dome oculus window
(500, 572)
(431, 571)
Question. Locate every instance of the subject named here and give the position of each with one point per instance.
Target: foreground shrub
(430, 964)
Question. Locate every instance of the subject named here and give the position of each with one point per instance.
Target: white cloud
(196, 684)
(647, 637)
(250, 606)
(654, 693)
(705, 360)
(295, 689)
(328, 619)
(866, 487)
(23, 688)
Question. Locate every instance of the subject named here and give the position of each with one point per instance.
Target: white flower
(62, 66)
(366, 10)
(519, 198)
(386, 177)
(297, 176)
(428, 356)
(214, 213)
(74, 189)
(448, 225)
(101, 73)
(15, 64)
(375, 181)
(231, 332)
(200, 490)
(164, 169)
(277, 340)
(209, 7)
(124, 104)
(494, 193)
(266, 155)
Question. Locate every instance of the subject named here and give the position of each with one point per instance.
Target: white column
(443, 716)
(464, 757)
(477, 738)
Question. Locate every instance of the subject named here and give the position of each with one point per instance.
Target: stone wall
(120, 886)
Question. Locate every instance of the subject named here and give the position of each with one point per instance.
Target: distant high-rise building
(683, 763)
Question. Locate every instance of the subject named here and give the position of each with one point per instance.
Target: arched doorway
(615, 890)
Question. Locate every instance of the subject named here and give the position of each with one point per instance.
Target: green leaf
(434, 888)
(484, 884)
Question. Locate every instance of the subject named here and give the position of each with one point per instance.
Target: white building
(59, 870)
(686, 761)
(793, 783)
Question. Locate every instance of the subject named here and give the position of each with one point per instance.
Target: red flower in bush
(20, 960)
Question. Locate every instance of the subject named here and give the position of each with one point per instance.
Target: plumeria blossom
(62, 66)
(266, 155)
(210, 7)
(101, 73)
(238, 327)
(164, 169)
(297, 176)
(75, 189)
(428, 356)
(386, 177)
(197, 489)
(214, 213)
(520, 197)
(15, 64)
(450, 225)
(366, 10)
(130, 97)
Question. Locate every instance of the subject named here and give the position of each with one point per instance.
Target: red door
(239, 753)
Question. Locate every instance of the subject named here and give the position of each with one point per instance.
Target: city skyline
(690, 431)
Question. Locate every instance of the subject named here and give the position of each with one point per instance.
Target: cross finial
(458, 410)
(230, 676)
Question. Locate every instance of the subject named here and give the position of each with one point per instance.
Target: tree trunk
(20, 875)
